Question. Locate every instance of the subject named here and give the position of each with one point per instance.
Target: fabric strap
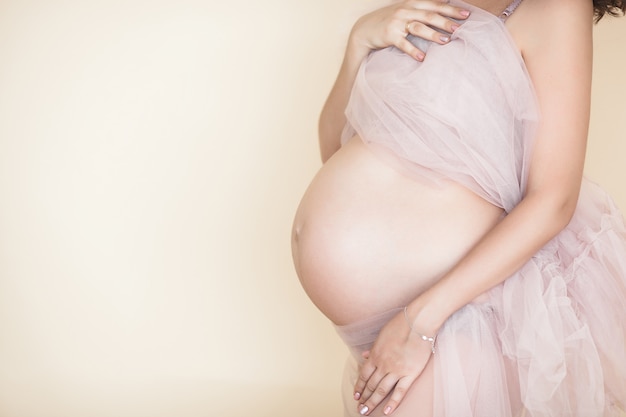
(509, 10)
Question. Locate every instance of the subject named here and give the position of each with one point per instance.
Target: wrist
(355, 55)
(427, 314)
(430, 339)
(356, 50)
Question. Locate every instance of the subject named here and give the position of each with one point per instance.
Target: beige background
(152, 154)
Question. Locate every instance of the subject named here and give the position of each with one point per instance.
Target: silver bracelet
(423, 337)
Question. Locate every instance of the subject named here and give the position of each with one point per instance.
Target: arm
(556, 42)
(559, 61)
(380, 29)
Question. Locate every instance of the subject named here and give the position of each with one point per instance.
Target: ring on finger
(407, 27)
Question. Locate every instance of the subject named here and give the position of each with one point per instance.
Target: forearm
(332, 119)
(501, 252)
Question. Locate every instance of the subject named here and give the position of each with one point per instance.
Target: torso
(368, 238)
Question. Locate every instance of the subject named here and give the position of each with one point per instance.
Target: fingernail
(420, 57)
(357, 395)
(465, 13)
(455, 27)
(387, 410)
(364, 410)
(444, 38)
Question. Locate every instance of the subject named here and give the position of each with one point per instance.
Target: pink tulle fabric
(549, 341)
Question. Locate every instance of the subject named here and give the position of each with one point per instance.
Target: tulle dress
(550, 340)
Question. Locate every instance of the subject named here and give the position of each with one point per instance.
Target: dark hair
(610, 7)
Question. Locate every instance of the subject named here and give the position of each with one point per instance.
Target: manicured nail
(420, 56)
(444, 38)
(387, 410)
(364, 410)
(455, 27)
(357, 395)
(465, 13)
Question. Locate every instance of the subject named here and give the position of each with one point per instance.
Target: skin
(555, 40)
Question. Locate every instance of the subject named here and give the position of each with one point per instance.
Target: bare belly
(367, 238)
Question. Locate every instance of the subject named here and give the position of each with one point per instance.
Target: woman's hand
(391, 25)
(396, 360)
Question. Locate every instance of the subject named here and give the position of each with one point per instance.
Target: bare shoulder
(539, 25)
(555, 40)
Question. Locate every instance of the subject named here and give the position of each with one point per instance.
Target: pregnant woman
(450, 235)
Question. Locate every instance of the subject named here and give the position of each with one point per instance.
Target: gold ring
(407, 28)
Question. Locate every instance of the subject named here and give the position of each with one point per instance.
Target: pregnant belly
(367, 238)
